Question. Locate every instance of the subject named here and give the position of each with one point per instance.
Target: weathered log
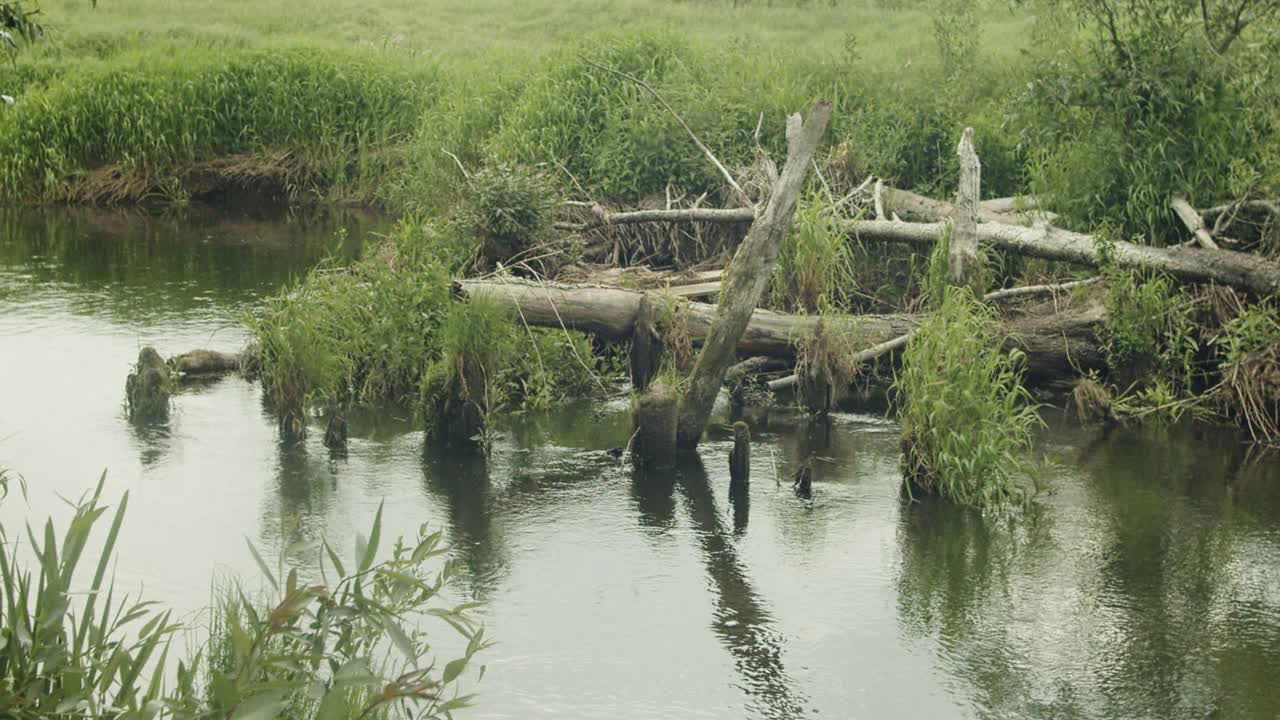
(963, 265)
(1057, 336)
(1193, 222)
(698, 290)
(748, 276)
(1225, 267)
(1006, 205)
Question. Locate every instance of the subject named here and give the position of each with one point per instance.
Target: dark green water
(1145, 585)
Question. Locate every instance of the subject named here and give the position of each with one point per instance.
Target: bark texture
(1243, 271)
(748, 276)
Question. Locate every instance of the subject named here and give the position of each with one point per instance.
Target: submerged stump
(654, 417)
(740, 456)
(148, 387)
(460, 403)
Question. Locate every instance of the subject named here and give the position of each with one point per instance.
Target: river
(1145, 583)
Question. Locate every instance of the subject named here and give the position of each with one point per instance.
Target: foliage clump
(1160, 98)
(334, 648)
(148, 387)
(509, 210)
(815, 267)
(358, 334)
(967, 421)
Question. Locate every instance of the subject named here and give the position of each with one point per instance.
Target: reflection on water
(1145, 584)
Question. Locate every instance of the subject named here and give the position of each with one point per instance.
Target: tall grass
(967, 420)
(303, 650)
(151, 114)
(815, 267)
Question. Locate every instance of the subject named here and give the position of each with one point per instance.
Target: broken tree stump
(148, 387)
(647, 346)
(654, 418)
(963, 264)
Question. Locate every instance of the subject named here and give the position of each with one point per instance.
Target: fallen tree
(1057, 336)
(1239, 270)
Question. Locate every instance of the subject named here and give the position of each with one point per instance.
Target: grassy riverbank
(141, 100)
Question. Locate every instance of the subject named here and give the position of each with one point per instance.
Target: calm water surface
(1145, 585)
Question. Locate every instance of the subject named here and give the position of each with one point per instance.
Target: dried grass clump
(1249, 348)
(1091, 402)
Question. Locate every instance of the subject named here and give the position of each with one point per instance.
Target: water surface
(1146, 583)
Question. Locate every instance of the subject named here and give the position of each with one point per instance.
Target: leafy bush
(358, 334)
(966, 418)
(308, 651)
(509, 210)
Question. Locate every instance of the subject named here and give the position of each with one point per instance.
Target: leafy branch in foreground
(341, 649)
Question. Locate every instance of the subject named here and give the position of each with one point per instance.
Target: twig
(465, 174)
(879, 199)
(710, 156)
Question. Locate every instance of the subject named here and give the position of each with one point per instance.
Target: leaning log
(748, 276)
(1239, 270)
(1057, 335)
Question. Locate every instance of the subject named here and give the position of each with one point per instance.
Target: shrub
(1148, 109)
(508, 210)
(966, 418)
(358, 334)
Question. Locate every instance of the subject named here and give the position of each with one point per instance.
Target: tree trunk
(747, 277)
(1226, 267)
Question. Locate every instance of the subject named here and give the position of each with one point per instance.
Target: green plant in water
(967, 420)
(1249, 348)
(306, 651)
(462, 390)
